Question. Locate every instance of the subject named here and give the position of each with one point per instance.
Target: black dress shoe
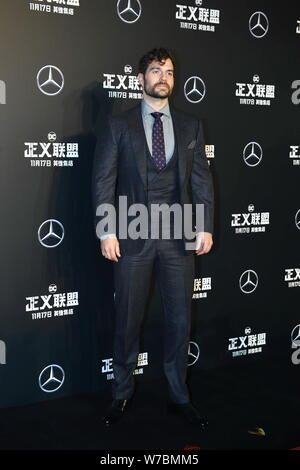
(115, 412)
(189, 413)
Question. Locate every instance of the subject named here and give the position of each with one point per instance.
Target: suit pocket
(192, 144)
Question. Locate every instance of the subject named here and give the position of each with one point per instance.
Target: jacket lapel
(138, 140)
(179, 131)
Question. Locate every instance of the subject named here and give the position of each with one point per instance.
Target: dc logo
(127, 68)
(51, 136)
(52, 288)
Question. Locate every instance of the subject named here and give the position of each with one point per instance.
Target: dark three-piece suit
(123, 166)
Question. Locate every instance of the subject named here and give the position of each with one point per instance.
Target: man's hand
(204, 243)
(110, 248)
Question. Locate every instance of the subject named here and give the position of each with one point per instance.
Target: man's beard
(157, 92)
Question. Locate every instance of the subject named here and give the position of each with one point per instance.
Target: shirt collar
(147, 109)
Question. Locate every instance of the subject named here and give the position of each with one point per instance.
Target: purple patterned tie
(158, 143)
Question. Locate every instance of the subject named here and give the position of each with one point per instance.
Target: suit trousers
(132, 273)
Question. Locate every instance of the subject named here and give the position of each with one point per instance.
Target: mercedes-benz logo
(258, 24)
(295, 335)
(252, 154)
(248, 281)
(51, 233)
(194, 89)
(129, 11)
(51, 378)
(297, 219)
(50, 80)
(193, 353)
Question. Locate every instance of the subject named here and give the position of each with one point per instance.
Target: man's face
(158, 81)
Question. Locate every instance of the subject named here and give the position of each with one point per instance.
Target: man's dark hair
(158, 54)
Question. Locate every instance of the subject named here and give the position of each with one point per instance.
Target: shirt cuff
(108, 235)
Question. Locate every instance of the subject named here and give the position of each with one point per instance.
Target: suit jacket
(120, 167)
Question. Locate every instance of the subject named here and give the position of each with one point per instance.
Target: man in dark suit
(152, 154)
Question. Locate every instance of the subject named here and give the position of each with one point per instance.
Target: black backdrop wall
(66, 64)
